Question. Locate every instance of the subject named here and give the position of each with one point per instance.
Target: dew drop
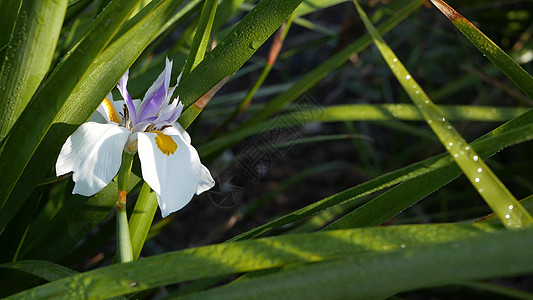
(475, 158)
(507, 216)
(430, 121)
(476, 179)
(511, 206)
(449, 126)
(456, 155)
(402, 245)
(467, 148)
(479, 170)
(443, 119)
(395, 60)
(255, 44)
(427, 101)
(480, 190)
(408, 77)
(417, 92)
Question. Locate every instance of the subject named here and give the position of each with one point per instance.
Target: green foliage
(368, 146)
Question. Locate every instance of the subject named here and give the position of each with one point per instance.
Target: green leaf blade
(266, 253)
(28, 56)
(43, 269)
(504, 62)
(376, 275)
(498, 197)
(38, 116)
(201, 37)
(232, 52)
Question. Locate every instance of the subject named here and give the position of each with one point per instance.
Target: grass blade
(232, 52)
(266, 253)
(201, 37)
(43, 269)
(515, 131)
(311, 78)
(141, 219)
(94, 85)
(38, 116)
(493, 191)
(504, 62)
(363, 112)
(377, 274)
(36, 30)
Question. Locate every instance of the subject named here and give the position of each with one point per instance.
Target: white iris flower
(170, 164)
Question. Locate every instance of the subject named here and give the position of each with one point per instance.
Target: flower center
(165, 143)
(111, 112)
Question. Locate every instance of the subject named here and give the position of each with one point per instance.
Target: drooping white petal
(94, 153)
(206, 181)
(174, 177)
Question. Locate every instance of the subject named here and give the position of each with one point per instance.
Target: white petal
(94, 153)
(97, 117)
(174, 177)
(206, 181)
(176, 129)
(103, 112)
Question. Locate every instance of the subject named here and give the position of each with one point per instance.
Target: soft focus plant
(263, 88)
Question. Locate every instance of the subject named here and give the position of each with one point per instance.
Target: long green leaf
(85, 98)
(397, 199)
(504, 62)
(362, 112)
(242, 38)
(28, 56)
(515, 131)
(141, 219)
(267, 253)
(493, 191)
(309, 6)
(378, 274)
(201, 37)
(68, 227)
(39, 115)
(8, 16)
(232, 52)
(311, 78)
(43, 269)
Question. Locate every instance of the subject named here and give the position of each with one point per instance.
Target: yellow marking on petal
(165, 143)
(112, 113)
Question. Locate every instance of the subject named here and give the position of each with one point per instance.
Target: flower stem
(124, 252)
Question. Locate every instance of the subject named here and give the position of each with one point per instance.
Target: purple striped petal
(156, 95)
